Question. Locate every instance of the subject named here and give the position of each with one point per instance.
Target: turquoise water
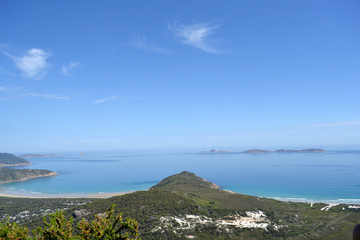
(333, 175)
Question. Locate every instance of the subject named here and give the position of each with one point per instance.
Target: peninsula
(13, 175)
(9, 160)
(309, 150)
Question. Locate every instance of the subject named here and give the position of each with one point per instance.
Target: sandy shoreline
(18, 194)
(60, 195)
(311, 201)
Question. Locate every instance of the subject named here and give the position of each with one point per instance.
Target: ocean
(332, 176)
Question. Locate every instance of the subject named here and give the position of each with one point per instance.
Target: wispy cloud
(195, 35)
(105, 99)
(66, 70)
(14, 93)
(117, 98)
(7, 89)
(3, 46)
(143, 44)
(355, 122)
(33, 64)
(47, 96)
(3, 71)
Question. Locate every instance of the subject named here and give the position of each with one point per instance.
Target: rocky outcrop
(80, 213)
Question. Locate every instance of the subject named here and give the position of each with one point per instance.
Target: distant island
(32, 155)
(261, 151)
(9, 160)
(12, 175)
(309, 150)
(216, 151)
(256, 151)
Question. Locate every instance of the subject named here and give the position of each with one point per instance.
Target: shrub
(12, 231)
(105, 226)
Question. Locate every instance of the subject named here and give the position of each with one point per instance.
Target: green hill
(184, 179)
(186, 206)
(8, 159)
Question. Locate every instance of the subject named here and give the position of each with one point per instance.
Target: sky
(121, 75)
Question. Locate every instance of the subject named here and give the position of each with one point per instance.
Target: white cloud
(66, 70)
(195, 35)
(142, 43)
(33, 64)
(355, 122)
(117, 98)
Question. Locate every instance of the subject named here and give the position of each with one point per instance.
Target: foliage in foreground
(105, 226)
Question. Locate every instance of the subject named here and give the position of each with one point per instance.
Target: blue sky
(117, 75)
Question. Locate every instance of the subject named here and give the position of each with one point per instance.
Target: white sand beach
(18, 194)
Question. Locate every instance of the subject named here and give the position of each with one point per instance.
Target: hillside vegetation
(186, 206)
(57, 227)
(12, 175)
(8, 159)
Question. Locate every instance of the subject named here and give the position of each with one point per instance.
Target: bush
(12, 231)
(105, 226)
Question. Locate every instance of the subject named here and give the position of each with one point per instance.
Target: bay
(329, 176)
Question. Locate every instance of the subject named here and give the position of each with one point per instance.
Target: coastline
(18, 194)
(21, 194)
(15, 165)
(312, 201)
(32, 177)
(305, 200)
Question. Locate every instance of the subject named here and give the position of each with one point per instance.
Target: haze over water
(333, 175)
